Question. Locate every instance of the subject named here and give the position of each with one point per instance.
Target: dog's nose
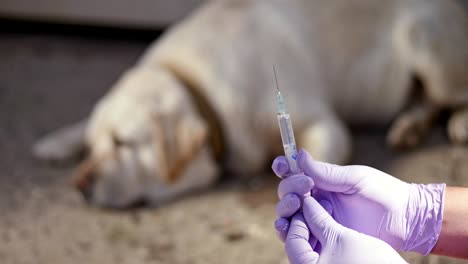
(87, 192)
(85, 184)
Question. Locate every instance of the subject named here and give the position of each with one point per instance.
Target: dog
(201, 100)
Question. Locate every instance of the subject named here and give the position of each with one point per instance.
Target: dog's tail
(62, 146)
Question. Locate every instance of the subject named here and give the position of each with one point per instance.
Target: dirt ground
(47, 81)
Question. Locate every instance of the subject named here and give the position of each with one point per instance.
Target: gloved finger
(327, 206)
(313, 241)
(280, 166)
(282, 228)
(298, 184)
(320, 223)
(329, 177)
(288, 205)
(297, 244)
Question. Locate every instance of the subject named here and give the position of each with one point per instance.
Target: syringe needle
(276, 78)
(279, 97)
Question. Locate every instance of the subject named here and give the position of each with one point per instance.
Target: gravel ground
(47, 81)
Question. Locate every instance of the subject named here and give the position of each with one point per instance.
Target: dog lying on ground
(202, 97)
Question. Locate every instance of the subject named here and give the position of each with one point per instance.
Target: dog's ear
(177, 143)
(63, 146)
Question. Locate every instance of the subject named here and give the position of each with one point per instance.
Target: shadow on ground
(47, 81)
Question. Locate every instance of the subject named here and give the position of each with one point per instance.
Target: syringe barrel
(289, 143)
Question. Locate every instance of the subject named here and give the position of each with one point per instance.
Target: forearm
(453, 238)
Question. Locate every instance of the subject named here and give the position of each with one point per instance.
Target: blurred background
(57, 58)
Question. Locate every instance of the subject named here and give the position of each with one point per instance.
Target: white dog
(203, 96)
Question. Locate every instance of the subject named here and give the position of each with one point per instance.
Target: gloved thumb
(297, 243)
(320, 222)
(280, 167)
(328, 177)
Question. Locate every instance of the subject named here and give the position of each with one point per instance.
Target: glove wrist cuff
(424, 217)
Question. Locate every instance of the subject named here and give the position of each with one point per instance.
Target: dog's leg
(64, 145)
(458, 126)
(327, 140)
(412, 126)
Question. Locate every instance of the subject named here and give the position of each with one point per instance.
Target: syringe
(286, 130)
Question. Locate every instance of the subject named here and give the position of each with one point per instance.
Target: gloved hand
(337, 244)
(406, 216)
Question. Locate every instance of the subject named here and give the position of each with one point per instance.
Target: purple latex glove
(338, 243)
(291, 194)
(406, 216)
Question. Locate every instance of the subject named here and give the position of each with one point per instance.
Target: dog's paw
(327, 140)
(458, 127)
(406, 132)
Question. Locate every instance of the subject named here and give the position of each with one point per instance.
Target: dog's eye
(118, 142)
